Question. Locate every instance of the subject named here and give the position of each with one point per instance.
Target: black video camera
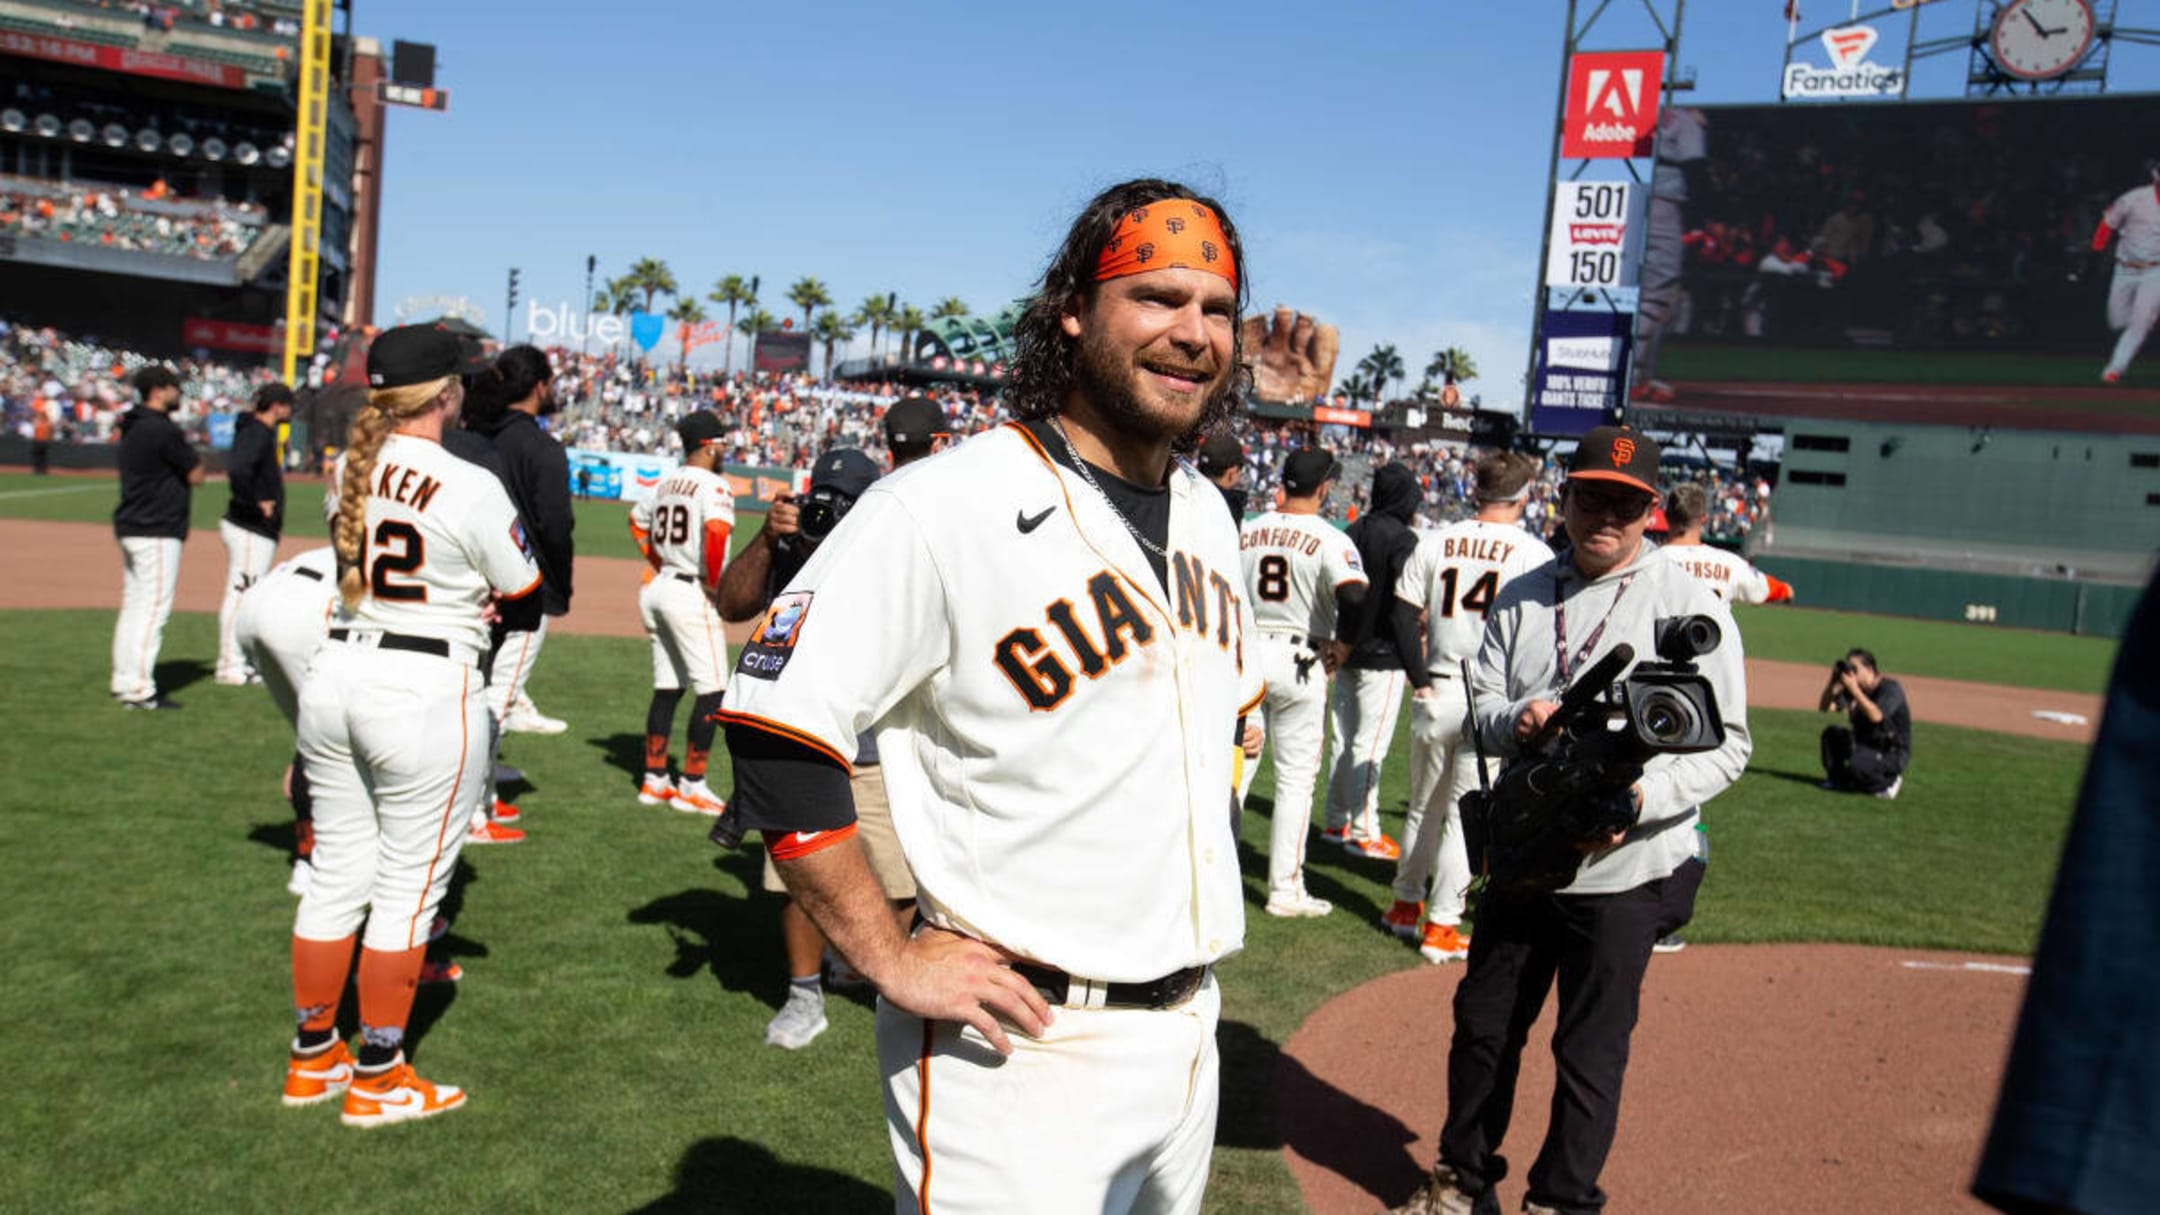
(1571, 788)
(821, 511)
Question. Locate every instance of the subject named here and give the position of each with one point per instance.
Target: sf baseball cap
(844, 470)
(416, 354)
(699, 428)
(914, 421)
(1304, 471)
(1616, 453)
(1221, 453)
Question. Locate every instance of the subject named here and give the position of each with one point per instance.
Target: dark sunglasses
(1626, 505)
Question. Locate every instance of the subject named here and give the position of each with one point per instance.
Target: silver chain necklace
(1081, 466)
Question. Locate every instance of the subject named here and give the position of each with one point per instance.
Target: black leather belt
(1441, 674)
(401, 641)
(690, 578)
(310, 575)
(1169, 991)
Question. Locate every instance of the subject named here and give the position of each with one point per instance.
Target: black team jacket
(536, 471)
(251, 470)
(1384, 544)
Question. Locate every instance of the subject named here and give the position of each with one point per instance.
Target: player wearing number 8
(393, 722)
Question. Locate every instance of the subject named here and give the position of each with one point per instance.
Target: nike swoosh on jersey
(1028, 523)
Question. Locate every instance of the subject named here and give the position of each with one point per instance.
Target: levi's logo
(1623, 451)
(772, 639)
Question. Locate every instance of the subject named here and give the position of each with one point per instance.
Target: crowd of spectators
(114, 217)
(218, 14)
(81, 386)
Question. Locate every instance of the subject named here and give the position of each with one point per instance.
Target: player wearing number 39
(1305, 583)
(1045, 627)
(394, 724)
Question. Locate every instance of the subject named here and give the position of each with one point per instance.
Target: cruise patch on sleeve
(772, 641)
(518, 537)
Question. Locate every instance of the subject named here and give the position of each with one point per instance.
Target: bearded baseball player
(1727, 574)
(1305, 584)
(684, 528)
(1045, 627)
(1451, 582)
(158, 473)
(2133, 305)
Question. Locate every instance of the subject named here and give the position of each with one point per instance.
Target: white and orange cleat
(396, 1094)
(1402, 919)
(656, 791)
(314, 1077)
(1443, 943)
(694, 797)
(485, 832)
(1382, 848)
(504, 812)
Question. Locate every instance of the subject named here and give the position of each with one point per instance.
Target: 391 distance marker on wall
(1594, 233)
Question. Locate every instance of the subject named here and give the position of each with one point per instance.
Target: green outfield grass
(602, 530)
(1682, 361)
(1945, 649)
(619, 969)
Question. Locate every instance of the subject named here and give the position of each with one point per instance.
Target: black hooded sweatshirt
(1384, 543)
(536, 471)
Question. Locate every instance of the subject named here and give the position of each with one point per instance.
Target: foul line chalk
(40, 493)
(2057, 715)
(1993, 968)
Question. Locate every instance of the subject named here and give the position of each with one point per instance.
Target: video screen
(1947, 248)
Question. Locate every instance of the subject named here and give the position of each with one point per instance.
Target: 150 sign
(1591, 235)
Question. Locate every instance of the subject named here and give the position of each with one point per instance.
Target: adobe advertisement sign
(122, 59)
(1581, 377)
(1612, 104)
(1596, 235)
(1850, 74)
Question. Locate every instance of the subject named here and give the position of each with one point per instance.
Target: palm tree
(1453, 366)
(686, 312)
(877, 313)
(734, 292)
(616, 297)
(809, 295)
(1357, 387)
(1381, 366)
(755, 322)
(651, 277)
(951, 307)
(831, 329)
(907, 322)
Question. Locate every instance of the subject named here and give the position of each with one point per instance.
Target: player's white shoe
(656, 791)
(799, 1020)
(524, 719)
(1298, 906)
(695, 797)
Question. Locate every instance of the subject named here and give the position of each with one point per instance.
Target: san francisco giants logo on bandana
(1623, 450)
(1149, 238)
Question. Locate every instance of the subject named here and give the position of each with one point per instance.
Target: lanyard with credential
(1562, 664)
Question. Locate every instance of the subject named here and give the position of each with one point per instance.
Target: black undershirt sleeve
(782, 785)
(1349, 603)
(1403, 621)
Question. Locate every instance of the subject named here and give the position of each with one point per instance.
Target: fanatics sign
(1612, 104)
(1850, 74)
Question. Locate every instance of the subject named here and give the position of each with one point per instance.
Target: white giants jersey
(2136, 218)
(692, 515)
(1293, 566)
(1728, 575)
(441, 536)
(1454, 577)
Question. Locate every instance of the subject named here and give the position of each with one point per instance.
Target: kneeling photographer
(1581, 842)
(1870, 755)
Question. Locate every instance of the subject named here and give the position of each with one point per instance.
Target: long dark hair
(516, 373)
(1043, 361)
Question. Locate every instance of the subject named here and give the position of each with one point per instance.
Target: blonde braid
(371, 428)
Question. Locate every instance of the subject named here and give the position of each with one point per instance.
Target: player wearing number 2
(1452, 581)
(1305, 582)
(2133, 303)
(394, 726)
(684, 528)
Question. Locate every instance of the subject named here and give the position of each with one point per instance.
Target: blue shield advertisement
(221, 430)
(1581, 378)
(646, 329)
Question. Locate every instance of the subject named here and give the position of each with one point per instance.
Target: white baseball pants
(688, 633)
(2133, 306)
(397, 751)
(1363, 710)
(150, 572)
(514, 664)
(664, 677)
(1443, 767)
(247, 558)
(1295, 714)
(279, 625)
(1111, 1111)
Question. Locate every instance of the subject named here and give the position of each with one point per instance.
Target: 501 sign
(1591, 235)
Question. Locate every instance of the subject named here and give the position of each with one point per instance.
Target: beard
(1110, 381)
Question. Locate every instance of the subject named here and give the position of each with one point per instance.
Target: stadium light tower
(510, 308)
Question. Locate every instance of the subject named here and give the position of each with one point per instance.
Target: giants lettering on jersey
(1039, 662)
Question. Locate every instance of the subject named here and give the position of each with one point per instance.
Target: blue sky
(1386, 162)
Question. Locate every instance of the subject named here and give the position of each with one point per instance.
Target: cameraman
(794, 527)
(1870, 756)
(1546, 628)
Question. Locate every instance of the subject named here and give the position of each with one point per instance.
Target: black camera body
(1570, 790)
(820, 512)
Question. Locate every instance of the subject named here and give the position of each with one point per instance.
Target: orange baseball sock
(693, 767)
(318, 973)
(387, 983)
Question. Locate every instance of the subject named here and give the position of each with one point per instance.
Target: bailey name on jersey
(1476, 548)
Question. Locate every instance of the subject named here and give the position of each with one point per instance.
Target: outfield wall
(2059, 604)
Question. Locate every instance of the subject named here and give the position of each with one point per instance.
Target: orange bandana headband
(1172, 234)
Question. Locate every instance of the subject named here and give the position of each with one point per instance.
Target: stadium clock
(2041, 39)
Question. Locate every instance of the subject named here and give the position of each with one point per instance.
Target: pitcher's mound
(1764, 1078)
